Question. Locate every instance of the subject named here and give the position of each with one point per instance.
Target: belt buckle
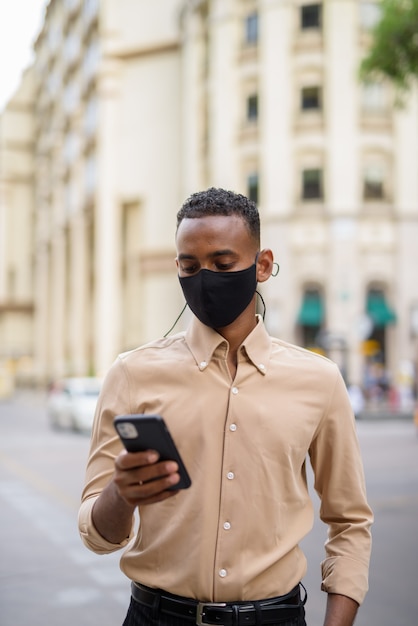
(200, 611)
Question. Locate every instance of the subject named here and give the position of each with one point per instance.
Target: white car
(71, 403)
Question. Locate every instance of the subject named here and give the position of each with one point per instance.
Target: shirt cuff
(90, 536)
(345, 576)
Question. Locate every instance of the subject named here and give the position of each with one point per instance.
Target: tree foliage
(394, 51)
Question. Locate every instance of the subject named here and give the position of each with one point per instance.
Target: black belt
(270, 611)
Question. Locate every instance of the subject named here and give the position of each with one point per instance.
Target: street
(48, 576)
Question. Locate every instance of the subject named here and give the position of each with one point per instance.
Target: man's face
(221, 243)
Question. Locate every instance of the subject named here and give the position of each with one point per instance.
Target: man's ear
(264, 265)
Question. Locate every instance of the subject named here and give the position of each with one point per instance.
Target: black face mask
(218, 298)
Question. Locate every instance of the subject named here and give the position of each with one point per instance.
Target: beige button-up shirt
(234, 534)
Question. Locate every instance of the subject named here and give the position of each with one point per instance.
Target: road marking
(38, 482)
(36, 498)
(60, 528)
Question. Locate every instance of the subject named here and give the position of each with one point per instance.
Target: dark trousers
(140, 615)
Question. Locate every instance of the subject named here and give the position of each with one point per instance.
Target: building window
(253, 187)
(373, 188)
(90, 9)
(370, 13)
(71, 148)
(310, 98)
(310, 16)
(374, 97)
(54, 37)
(90, 117)
(252, 108)
(72, 5)
(251, 28)
(312, 184)
(71, 96)
(379, 311)
(54, 83)
(91, 60)
(90, 175)
(311, 317)
(72, 48)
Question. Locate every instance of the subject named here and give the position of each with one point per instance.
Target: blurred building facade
(138, 104)
(108, 179)
(16, 235)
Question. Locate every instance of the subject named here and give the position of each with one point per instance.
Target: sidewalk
(26, 396)
(384, 412)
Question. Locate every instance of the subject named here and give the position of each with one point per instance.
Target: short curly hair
(215, 201)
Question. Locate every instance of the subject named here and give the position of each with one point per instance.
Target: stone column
(107, 224)
(78, 330)
(58, 303)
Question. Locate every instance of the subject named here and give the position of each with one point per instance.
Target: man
(244, 409)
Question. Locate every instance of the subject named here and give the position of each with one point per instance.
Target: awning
(379, 310)
(312, 310)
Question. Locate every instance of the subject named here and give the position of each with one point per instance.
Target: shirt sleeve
(340, 484)
(104, 447)
(90, 536)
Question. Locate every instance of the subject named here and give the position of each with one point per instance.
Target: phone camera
(128, 431)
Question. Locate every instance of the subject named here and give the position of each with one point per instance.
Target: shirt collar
(203, 341)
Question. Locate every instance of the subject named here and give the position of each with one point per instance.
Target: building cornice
(14, 106)
(22, 179)
(396, 215)
(19, 146)
(16, 307)
(128, 54)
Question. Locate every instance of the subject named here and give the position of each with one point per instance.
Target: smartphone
(149, 432)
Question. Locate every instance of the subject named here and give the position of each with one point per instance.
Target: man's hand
(139, 478)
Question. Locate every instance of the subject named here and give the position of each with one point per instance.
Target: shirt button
(227, 526)
(233, 427)
(202, 365)
(262, 366)
(222, 573)
(234, 390)
(230, 475)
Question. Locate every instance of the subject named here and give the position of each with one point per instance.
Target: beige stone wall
(138, 104)
(108, 179)
(16, 236)
(342, 243)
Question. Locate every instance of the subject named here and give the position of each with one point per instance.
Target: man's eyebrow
(226, 252)
(216, 253)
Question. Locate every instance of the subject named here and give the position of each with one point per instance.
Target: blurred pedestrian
(356, 398)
